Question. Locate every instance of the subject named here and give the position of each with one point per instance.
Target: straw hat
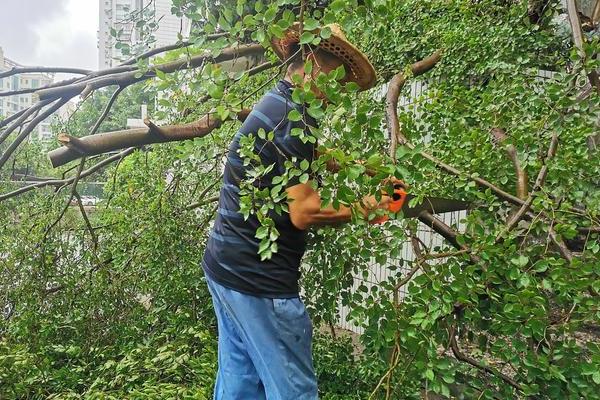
(361, 70)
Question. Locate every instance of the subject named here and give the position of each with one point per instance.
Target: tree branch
(132, 75)
(393, 93)
(578, 41)
(163, 49)
(499, 136)
(111, 141)
(22, 116)
(25, 132)
(67, 181)
(24, 70)
(33, 90)
(86, 220)
(464, 358)
(539, 182)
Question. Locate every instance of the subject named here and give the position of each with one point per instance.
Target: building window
(35, 83)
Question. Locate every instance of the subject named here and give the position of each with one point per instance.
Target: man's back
(231, 256)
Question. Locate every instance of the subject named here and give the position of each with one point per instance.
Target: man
(265, 332)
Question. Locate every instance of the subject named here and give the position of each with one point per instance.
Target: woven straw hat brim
(361, 70)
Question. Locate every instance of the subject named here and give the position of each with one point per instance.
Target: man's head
(322, 62)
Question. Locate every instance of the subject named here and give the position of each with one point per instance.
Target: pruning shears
(435, 205)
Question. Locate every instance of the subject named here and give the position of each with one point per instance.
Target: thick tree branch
(112, 141)
(33, 90)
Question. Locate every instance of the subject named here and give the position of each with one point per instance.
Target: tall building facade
(10, 105)
(115, 14)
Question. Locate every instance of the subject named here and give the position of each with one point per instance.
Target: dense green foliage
(123, 312)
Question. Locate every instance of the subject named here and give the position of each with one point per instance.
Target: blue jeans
(264, 347)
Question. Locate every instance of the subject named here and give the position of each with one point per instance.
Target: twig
(87, 221)
(61, 182)
(562, 248)
(68, 202)
(202, 203)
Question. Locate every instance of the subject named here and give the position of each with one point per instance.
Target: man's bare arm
(306, 211)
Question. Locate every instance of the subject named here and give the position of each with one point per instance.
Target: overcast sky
(58, 33)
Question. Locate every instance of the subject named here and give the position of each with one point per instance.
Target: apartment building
(115, 14)
(10, 105)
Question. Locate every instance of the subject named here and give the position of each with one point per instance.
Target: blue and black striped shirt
(231, 256)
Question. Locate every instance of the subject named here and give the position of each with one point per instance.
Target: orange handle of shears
(398, 198)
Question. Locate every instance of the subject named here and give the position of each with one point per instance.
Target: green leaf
(306, 37)
(294, 115)
(310, 24)
(520, 261)
(429, 374)
(337, 5)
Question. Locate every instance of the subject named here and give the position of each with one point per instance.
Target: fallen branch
(33, 90)
(116, 140)
(111, 141)
(22, 116)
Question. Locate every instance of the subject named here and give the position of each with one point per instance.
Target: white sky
(60, 33)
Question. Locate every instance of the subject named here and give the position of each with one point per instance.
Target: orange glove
(396, 203)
